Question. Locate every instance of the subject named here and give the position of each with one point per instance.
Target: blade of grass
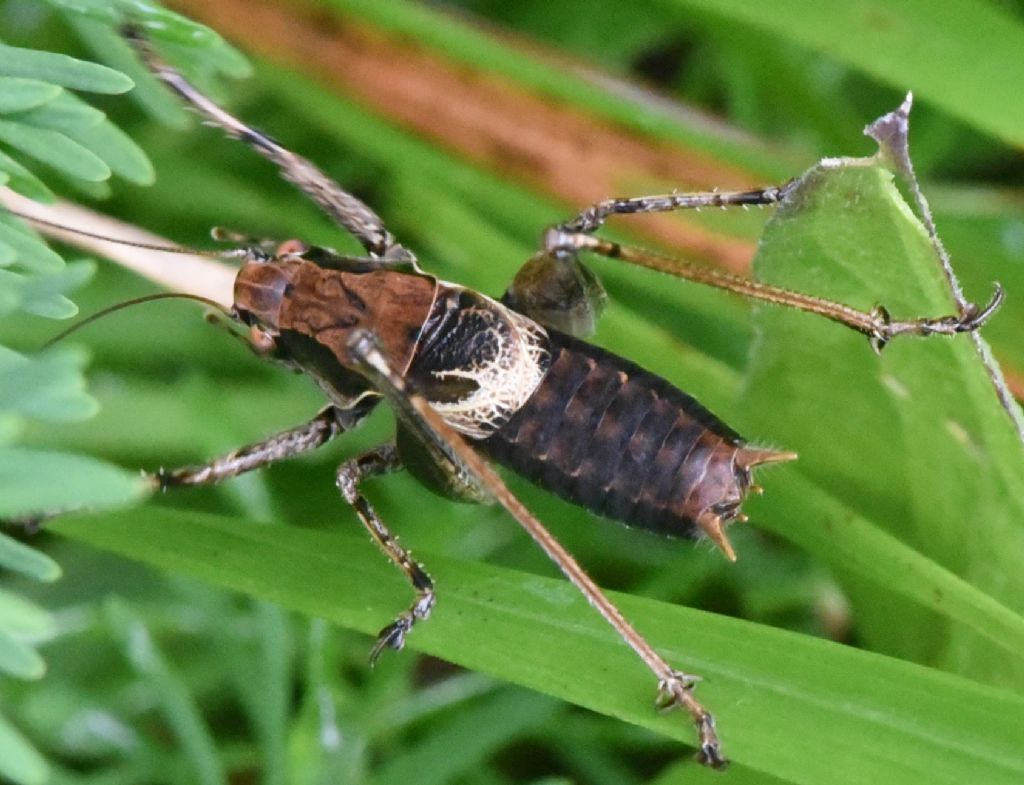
(792, 706)
(850, 543)
(18, 760)
(456, 745)
(176, 703)
(921, 45)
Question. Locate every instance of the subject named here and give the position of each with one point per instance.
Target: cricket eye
(244, 316)
(260, 290)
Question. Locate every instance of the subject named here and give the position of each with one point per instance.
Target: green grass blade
(469, 45)
(19, 762)
(176, 702)
(776, 693)
(921, 45)
(852, 544)
(455, 746)
(273, 692)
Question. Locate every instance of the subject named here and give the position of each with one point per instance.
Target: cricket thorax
(294, 297)
(478, 362)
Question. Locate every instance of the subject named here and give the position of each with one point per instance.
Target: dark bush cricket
(472, 379)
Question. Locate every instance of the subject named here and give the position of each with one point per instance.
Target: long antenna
(202, 275)
(231, 253)
(136, 301)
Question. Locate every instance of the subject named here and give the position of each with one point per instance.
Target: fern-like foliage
(46, 126)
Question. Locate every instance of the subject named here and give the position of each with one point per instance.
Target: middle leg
(382, 460)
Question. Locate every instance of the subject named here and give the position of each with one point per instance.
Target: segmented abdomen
(603, 433)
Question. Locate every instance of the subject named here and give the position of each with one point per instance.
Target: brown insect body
(607, 435)
(468, 376)
(579, 421)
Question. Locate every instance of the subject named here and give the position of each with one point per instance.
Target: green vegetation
(221, 635)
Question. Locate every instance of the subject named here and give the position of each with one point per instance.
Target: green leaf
(19, 95)
(20, 617)
(118, 151)
(33, 481)
(19, 659)
(914, 442)
(65, 113)
(62, 70)
(49, 386)
(929, 47)
(20, 558)
(90, 127)
(31, 252)
(43, 294)
(23, 181)
(776, 693)
(19, 762)
(55, 149)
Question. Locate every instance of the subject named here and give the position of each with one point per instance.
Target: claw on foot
(975, 317)
(710, 753)
(391, 637)
(677, 691)
(970, 319)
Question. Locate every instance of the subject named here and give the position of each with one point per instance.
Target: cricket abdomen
(603, 433)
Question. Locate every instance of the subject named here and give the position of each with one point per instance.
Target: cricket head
(260, 291)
